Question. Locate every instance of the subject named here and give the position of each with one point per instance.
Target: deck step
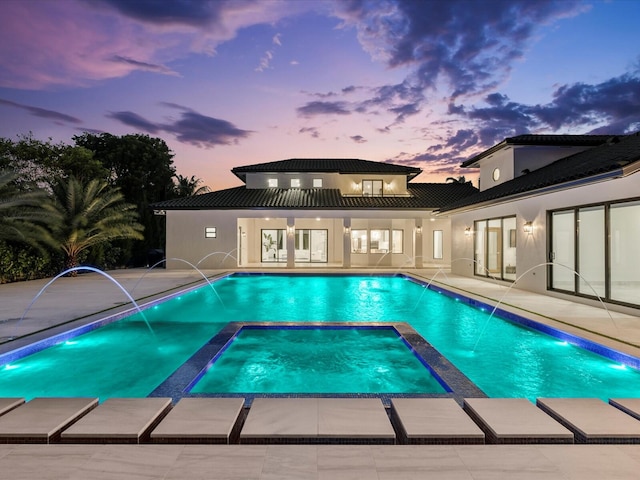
(201, 420)
(630, 406)
(433, 421)
(515, 420)
(317, 420)
(592, 420)
(8, 404)
(118, 420)
(42, 419)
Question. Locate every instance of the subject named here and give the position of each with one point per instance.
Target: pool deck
(92, 296)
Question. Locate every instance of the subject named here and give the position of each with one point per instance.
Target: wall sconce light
(291, 230)
(419, 230)
(468, 231)
(347, 230)
(528, 228)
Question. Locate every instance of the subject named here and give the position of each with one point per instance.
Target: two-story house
(303, 212)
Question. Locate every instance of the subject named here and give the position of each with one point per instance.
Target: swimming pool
(124, 358)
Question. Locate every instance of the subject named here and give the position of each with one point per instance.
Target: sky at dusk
(235, 82)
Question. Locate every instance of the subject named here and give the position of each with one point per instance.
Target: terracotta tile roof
(326, 165)
(606, 160)
(543, 140)
(423, 196)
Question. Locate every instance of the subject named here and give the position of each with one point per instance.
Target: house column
(346, 243)
(418, 244)
(291, 242)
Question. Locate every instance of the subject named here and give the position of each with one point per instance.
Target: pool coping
(178, 384)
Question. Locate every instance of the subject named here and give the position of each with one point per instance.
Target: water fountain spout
(91, 269)
(226, 255)
(441, 270)
(544, 264)
(206, 279)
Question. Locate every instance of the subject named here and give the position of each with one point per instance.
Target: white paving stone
(515, 420)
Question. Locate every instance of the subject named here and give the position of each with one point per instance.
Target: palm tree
(85, 215)
(188, 187)
(21, 212)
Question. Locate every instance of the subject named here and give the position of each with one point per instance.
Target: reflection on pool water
(124, 359)
(318, 360)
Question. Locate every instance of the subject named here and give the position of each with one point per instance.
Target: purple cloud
(358, 139)
(312, 109)
(136, 121)
(614, 102)
(149, 67)
(313, 131)
(203, 131)
(468, 44)
(176, 12)
(42, 112)
(192, 127)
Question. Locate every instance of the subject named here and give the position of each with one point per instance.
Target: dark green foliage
(32, 170)
(22, 262)
(142, 168)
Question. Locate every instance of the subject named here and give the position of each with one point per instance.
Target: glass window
(494, 247)
(509, 248)
(437, 244)
(397, 241)
(591, 251)
(319, 245)
(273, 183)
(295, 183)
(563, 250)
(480, 229)
(210, 232)
(359, 241)
(591, 260)
(623, 248)
(317, 183)
(372, 188)
(379, 241)
(274, 246)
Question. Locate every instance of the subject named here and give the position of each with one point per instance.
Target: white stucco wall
(532, 249)
(348, 184)
(239, 235)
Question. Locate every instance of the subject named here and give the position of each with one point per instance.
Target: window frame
(372, 182)
(608, 254)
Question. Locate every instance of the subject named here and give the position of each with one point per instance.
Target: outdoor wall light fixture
(291, 230)
(419, 230)
(528, 228)
(468, 231)
(347, 230)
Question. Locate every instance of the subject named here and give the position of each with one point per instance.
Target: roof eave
(537, 192)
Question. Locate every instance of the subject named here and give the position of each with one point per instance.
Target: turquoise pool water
(125, 359)
(318, 360)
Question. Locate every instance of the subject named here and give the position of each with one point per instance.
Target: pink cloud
(72, 43)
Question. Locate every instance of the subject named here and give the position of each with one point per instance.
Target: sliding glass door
(495, 248)
(311, 245)
(594, 250)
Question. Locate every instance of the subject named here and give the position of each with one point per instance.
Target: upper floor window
(273, 183)
(295, 183)
(317, 183)
(372, 188)
(210, 232)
